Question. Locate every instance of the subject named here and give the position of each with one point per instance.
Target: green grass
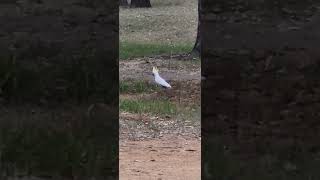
(159, 107)
(136, 87)
(131, 50)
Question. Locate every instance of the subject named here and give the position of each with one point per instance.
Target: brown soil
(175, 158)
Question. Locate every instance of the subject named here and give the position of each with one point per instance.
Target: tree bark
(140, 3)
(197, 46)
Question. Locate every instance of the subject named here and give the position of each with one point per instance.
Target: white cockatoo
(159, 80)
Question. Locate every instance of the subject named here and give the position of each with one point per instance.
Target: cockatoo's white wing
(161, 81)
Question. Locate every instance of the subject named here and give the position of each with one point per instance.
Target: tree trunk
(124, 3)
(140, 3)
(197, 46)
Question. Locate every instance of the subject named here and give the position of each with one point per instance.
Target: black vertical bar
(59, 89)
(260, 98)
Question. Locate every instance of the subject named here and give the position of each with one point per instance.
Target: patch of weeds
(136, 87)
(131, 50)
(159, 107)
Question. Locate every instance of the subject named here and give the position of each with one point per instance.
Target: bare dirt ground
(156, 146)
(175, 158)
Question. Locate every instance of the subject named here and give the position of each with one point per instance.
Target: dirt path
(168, 158)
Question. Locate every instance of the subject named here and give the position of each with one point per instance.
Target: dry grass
(167, 22)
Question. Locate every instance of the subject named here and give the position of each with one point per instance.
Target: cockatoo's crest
(155, 70)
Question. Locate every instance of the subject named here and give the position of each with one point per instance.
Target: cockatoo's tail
(159, 80)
